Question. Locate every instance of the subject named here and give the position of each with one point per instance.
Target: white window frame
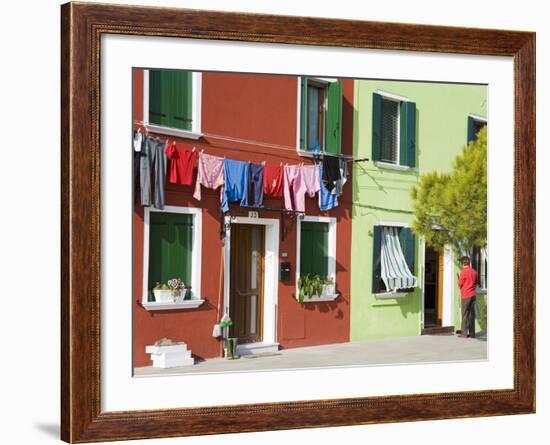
(331, 266)
(392, 294)
(319, 80)
(388, 165)
(195, 132)
(483, 271)
(196, 256)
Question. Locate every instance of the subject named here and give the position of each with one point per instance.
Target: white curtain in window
(395, 272)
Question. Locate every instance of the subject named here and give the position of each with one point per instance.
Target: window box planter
(329, 294)
(163, 296)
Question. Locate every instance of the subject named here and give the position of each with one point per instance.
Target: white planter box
(163, 296)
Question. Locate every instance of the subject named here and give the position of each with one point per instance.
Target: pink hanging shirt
(210, 173)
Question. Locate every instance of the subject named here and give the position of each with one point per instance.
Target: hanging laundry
(209, 173)
(294, 188)
(182, 161)
(138, 140)
(299, 180)
(153, 163)
(331, 171)
(137, 153)
(236, 182)
(255, 194)
(339, 184)
(273, 180)
(310, 174)
(327, 200)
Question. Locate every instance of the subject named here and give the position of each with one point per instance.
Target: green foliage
(451, 208)
(309, 285)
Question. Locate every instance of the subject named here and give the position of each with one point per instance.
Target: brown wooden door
(247, 282)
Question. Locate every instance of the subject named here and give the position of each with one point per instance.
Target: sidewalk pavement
(387, 351)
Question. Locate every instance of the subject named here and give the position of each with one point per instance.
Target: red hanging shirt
(273, 180)
(182, 161)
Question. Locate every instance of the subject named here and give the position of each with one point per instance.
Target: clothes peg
(202, 150)
(193, 149)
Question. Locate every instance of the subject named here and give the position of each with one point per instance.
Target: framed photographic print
(277, 222)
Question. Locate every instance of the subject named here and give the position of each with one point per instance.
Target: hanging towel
(255, 195)
(331, 171)
(236, 183)
(273, 180)
(339, 184)
(180, 168)
(153, 163)
(327, 200)
(209, 173)
(394, 270)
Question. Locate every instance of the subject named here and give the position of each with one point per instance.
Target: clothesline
(348, 158)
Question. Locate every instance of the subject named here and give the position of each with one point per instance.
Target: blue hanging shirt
(236, 183)
(327, 200)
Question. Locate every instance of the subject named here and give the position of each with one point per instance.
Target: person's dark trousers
(469, 316)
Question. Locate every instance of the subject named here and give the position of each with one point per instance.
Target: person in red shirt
(467, 282)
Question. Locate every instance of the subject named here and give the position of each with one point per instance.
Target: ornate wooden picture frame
(82, 27)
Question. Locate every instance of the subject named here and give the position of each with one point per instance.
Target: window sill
(173, 132)
(185, 304)
(386, 295)
(390, 166)
(321, 299)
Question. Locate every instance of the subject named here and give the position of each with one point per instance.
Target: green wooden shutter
(471, 136)
(159, 97)
(303, 113)
(181, 112)
(314, 248)
(407, 241)
(376, 254)
(407, 137)
(333, 128)
(376, 126)
(170, 247)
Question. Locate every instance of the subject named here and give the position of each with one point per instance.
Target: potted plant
(168, 292)
(309, 286)
(329, 288)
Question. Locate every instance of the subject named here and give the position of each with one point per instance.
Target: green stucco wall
(383, 195)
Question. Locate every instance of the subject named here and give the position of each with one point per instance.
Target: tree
(451, 208)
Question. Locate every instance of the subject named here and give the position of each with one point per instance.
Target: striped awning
(394, 270)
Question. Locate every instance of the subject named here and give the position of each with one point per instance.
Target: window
(479, 264)
(475, 123)
(316, 247)
(393, 131)
(320, 116)
(393, 259)
(172, 249)
(173, 101)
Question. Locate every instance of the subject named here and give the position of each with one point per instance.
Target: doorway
(433, 288)
(247, 282)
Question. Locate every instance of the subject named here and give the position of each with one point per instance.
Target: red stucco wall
(257, 108)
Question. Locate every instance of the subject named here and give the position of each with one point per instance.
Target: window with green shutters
(171, 99)
(393, 131)
(320, 115)
(474, 125)
(314, 257)
(170, 248)
(407, 240)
